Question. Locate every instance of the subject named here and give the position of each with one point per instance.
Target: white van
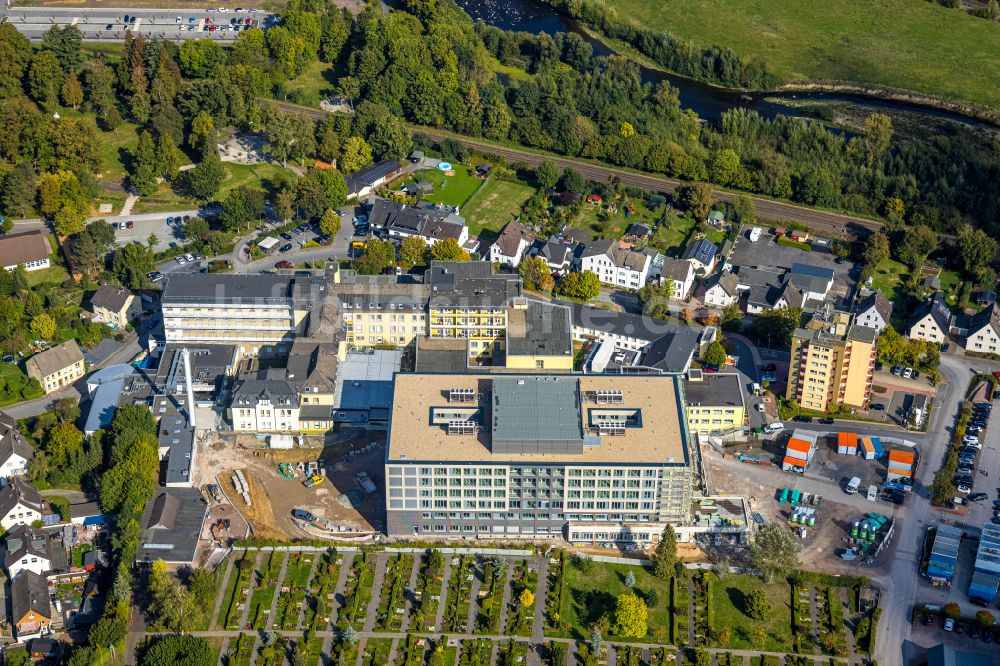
(777, 426)
(755, 388)
(755, 234)
(853, 485)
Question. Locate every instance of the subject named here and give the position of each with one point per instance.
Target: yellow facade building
(714, 403)
(832, 362)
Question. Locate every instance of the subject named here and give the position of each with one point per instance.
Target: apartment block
(832, 361)
(261, 314)
(380, 310)
(714, 403)
(537, 456)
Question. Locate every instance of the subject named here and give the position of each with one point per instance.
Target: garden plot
(293, 590)
(456, 614)
(427, 595)
(494, 571)
(238, 590)
(319, 599)
(392, 602)
(554, 592)
(475, 652)
(263, 594)
(376, 652)
(521, 605)
(358, 592)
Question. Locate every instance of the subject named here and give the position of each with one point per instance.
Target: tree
(64, 200)
(198, 57)
(629, 580)
(202, 133)
(71, 92)
(131, 263)
(876, 249)
(142, 176)
(66, 44)
(743, 211)
(584, 285)
(526, 598)
(62, 442)
(952, 610)
(45, 77)
(666, 554)
(203, 181)
(18, 188)
(390, 137)
(773, 328)
(536, 274)
(976, 249)
(878, 135)
(329, 224)
(723, 167)
(985, 618)
(202, 585)
(349, 635)
(655, 299)
(242, 207)
(177, 650)
(596, 641)
(378, 256)
(448, 249)
(67, 410)
(546, 175)
(573, 181)
(917, 243)
(697, 199)
(774, 551)
(756, 605)
(715, 354)
(355, 154)
(702, 657)
(413, 251)
(15, 51)
(284, 204)
(168, 157)
(44, 326)
(630, 616)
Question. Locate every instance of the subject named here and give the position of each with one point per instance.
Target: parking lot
(767, 252)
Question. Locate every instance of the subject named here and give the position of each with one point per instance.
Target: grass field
(591, 595)
(311, 86)
(453, 190)
(773, 633)
(907, 44)
(494, 205)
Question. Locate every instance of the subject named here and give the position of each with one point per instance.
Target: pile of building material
(900, 466)
(240, 484)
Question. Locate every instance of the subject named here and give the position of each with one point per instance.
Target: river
(709, 102)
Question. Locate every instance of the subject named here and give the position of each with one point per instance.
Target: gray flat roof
(470, 284)
(364, 381)
(543, 329)
(237, 289)
(715, 390)
(441, 355)
(208, 363)
(536, 408)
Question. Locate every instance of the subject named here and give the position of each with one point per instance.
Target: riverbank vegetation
(918, 46)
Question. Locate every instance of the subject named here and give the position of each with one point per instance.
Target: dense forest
(430, 66)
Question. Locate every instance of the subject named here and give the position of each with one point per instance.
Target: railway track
(846, 226)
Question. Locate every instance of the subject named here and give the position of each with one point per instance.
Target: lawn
(495, 204)
(918, 46)
(772, 634)
(452, 190)
(590, 595)
(311, 86)
(670, 237)
(889, 278)
(638, 212)
(165, 200)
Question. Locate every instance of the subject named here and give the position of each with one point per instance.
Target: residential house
(702, 255)
(767, 288)
(265, 404)
(512, 244)
(170, 526)
(424, 221)
(20, 504)
(312, 366)
(26, 549)
(29, 249)
(637, 233)
(44, 648)
(721, 290)
(627, 342)
(115, 305)
(873, 311)
(680, 274)
(931, 321)
(557, 254)
(31, 610)
(372, 177)
(714, 402)
(616, 266)
(984, 332)
(15, 452)
(716, 218)
(57, 367)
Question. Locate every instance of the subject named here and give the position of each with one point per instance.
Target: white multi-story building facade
(616, 266)
(265, 405)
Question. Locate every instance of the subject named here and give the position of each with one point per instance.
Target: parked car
(286, 247)
(878, 407)
(180, 260)
(769, 377)
(964, 489)
(949, 624)
(760, 407)
(287, 236)
(907, 373)
(803, 419)
(826, 421)
(130, 224)
(284, 263)
(927, 620)
(302, 514)
(978, 497)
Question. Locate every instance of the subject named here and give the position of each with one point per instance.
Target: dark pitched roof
(938, 309)
(25, 540)
(164, 512)
(621, 258)
(11, 440)
(638, 229)
(877, 301)
(678, 269)
(277, 391)
(573, 235)
(728, 282)
(714, 389)
(367, 176)
(556, 252)
(987, 317)
(242, 289)
(701, 250)
(111, 297)
(444, 355)
(672, 351)
(20, 248)
(810, 278)
(510, 238)
(621, 323)
(19, 491)
(470, 284)
(170, 527)
(29, 592)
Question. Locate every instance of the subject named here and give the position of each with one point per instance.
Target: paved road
(778, 211)
(110, 24)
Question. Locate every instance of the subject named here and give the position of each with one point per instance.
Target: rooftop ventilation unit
(462, 427)
(608, 397)
(462, 395)
(610, 429)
